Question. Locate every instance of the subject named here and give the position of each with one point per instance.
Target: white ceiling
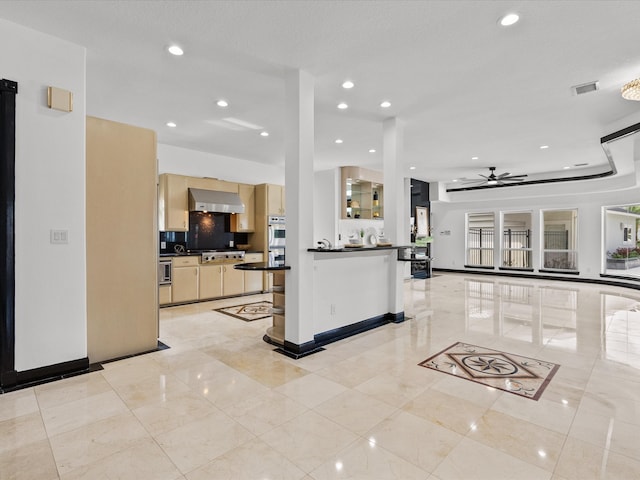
(463, 85)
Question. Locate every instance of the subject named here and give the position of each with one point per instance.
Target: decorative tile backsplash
(207, 231)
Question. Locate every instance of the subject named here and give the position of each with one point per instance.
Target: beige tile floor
(220, 404)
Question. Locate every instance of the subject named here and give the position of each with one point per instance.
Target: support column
(394, 209)
(299, 139)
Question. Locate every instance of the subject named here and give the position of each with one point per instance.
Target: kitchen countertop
(187, 254)
(365, 248)
(262, 266)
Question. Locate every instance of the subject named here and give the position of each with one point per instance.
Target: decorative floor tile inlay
(512, 373)
(249, 311)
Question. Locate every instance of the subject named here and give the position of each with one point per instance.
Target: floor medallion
(512, 373)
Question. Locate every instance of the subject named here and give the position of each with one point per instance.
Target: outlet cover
(59, 237)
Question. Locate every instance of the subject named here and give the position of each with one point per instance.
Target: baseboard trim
(48, 373)
(601, 281)
(296, 351)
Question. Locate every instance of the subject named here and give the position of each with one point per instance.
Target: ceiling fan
(494, 180)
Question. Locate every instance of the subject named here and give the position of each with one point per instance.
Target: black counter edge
(357, 249)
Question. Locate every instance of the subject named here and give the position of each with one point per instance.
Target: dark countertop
(186, 254)
(262, 266)
(366, 248)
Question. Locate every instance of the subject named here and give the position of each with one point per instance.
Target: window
(480, 239)
(621, 245)
(560, 240)
(516, 240)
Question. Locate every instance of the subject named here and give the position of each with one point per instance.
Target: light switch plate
(59, 237)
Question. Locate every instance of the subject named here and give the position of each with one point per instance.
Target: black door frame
(8, 92)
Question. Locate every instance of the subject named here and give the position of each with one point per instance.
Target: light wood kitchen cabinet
(232, 281)
(173, 203)
(173, 199)
(253, 280)
(212, 184)
(164, 294)
(185, 279)
(245, 222)
(210, 281)
(275, 200)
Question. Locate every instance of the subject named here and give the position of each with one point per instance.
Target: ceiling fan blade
(514, 177)
(503, 175)
(483, 176)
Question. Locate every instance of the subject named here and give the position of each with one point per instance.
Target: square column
(394, 208)
(299, 149)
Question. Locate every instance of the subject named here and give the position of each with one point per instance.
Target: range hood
(214, 201)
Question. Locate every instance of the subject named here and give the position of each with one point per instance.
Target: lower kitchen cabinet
(232, 281)
(164, 294)
(210, 281)
(253, 280)
(184, 281)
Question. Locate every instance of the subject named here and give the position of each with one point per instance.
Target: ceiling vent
(585, 88)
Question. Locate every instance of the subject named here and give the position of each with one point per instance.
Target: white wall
(326, 205)
(449, 216)
(193, 163)
(50, 194)
(350, 287)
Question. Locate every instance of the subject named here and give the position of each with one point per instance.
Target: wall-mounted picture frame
(422, 221)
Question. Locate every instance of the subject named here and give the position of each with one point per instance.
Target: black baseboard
(37, 376)
(296, 351)
(50, 373)
(602, 281)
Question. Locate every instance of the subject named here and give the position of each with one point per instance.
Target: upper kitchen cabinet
(275, 200)
(173, 203)
(362, 193)
(245, 222)
(206, 183)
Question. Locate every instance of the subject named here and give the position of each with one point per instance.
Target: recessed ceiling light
(264, 134)
(566, 168)
(385, 104)
(222, 103)
(372, 150)
(171, 124)
(544, 147)
(509, 19)
(412, 168)
(474, 158)
(455, 180)
(175, 50)
(338, 140)
(348, 84)
(343, 106)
